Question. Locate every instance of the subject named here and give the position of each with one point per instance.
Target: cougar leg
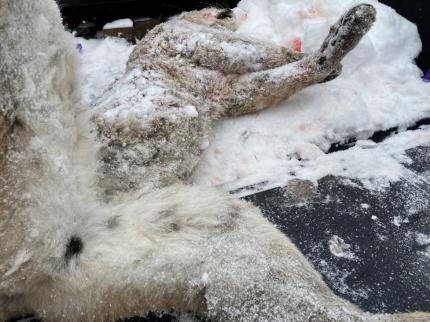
(256, 91)
(236, 55)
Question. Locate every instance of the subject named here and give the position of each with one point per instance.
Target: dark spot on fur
(113, 222)
(321, 60)
(167, 212)
(230, 223)
(227, 13)
(17, 123)
(156, 154)
(174, 227)
(324, 45)
(234, 212)
(74, 247)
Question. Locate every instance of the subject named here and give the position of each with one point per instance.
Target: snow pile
(380, 88)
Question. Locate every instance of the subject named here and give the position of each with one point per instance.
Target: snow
(121, 23)
(130, 101)
(398, 221)
(365, 206)
(380, 87)
(338, 278)
(191, 111)
(205, 279)
(422, 239)
(339, 248)
(102, 63)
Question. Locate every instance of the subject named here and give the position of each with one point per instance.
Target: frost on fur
(196, 60)
(67, 254)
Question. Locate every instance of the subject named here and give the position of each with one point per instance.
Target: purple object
(79, 47)
(427, 76)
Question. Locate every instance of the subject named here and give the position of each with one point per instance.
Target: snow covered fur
(78, 246)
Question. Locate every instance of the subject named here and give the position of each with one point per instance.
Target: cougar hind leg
(256, 91)
(254, 56)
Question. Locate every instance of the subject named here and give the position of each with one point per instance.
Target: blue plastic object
(79, 47)
(426, 76)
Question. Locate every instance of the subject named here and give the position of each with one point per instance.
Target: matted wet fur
(66, 254)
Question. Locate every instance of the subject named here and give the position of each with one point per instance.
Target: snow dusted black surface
(386, 267)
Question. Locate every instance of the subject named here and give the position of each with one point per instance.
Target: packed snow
(339, 248)
(121, 23)
(380, 87)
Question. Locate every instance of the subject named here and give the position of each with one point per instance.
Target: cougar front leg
(256, 91)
